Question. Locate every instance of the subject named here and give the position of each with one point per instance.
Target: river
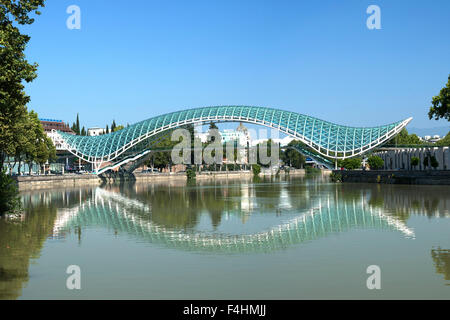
(273, 238)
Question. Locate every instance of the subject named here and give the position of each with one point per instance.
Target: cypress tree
(78, 125)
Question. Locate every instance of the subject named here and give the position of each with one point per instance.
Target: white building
(241, 135)
(50, 126)
(95, 131)
(432, 139)
(283, 142)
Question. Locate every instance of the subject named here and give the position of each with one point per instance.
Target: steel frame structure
(327, 139)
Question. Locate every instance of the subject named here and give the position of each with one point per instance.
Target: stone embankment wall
(54, 181)
(432, 177)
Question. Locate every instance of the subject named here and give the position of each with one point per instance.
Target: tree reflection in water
(441, 259)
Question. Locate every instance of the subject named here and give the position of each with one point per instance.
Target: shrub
(9, 194)
(434, 163)
(414, 161)
(256, 168)
(190, 173)
(375, 162)
(425, 162)
(336, 177)
(312, 170)
(350, 164)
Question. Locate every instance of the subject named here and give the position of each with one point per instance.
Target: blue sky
(136, 59)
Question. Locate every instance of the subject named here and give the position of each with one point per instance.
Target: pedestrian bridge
(117, 212)
(327, 139)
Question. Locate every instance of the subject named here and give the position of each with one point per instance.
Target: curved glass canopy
(326, 138)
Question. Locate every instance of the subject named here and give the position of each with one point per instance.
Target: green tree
(375, 162)
(113, 126)
(414, 162)
(38, 148)
(211, 137)
(9, 199)
(46, 152)
(117, 128)
(425, 161)
(256, 168)
(14, 69)
(444, 142)
(76, 126)
(350, 164)
(293, 157)
(404, 138)
(433, 162)
(441, 104)
(268, 144)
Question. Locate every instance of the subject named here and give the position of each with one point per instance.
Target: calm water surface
(294, 238)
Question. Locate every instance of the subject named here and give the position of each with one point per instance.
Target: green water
(294, 238)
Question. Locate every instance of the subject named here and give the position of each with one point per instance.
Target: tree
(414, 162)
(425, 161)
(269, 144)
(441, 104)
(83, 131)
(375, 162)
(38, 148)
(211, 137)
(256, 168)
(46, 152)
(78, 125)
(350, 164)
(113, 126)
(444, 142)
(117, 128)
(107, 129)
(404, 138)
(9, 199)
(14, 69)
(434, 163)
(293, 157)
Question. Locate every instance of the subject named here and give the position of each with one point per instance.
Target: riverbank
(431, 177)
(72, 180)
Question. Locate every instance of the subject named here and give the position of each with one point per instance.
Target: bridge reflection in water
(325, 216)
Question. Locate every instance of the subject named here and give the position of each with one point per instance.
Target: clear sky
(135, 59)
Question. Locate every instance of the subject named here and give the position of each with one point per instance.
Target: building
(242, 139)
(49, 125)
(400, 158)
(241, 135)
(282, 142)
(95, 131)
(431, 139)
